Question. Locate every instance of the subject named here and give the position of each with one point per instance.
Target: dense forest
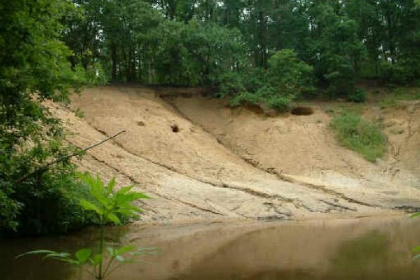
(264, 52)
(225, 43)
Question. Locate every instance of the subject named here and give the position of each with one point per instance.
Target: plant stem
(108, 266)
(101, 247)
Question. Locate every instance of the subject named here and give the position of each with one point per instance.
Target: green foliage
(286, 78)
(230, 83)
(96, 75)
(393, 97)
(337, 47)
(201, 42)
(109, 206)
(360, 135)
(288, 74)
(358, 96)
(35, 68)
(403, 72)
(195, 54)
(245, 98)
(280, 103)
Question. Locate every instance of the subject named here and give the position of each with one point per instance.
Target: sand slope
(202, 161)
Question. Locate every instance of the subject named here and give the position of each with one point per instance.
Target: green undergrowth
(360, 135)
(393, 98)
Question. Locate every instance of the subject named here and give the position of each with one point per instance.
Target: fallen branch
(67, 157)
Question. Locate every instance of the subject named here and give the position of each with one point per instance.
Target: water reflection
(337, 249)
(35, 268)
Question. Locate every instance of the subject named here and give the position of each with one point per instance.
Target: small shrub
(243, 98)
(279, 103)
(357, 96)
(405, 71)
(79, 113)
(230, 83)
(286, 78)
(360, 135)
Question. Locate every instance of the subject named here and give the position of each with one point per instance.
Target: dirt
(202, 161)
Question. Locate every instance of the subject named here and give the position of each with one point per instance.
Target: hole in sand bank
(254, 108)
(175, 128)
(302, 111)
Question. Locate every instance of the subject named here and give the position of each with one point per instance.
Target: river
(376, 248)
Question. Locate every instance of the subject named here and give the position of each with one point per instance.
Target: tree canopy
(201, 42)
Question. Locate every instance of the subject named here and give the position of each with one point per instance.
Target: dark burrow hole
(302, 111)
(175, 128)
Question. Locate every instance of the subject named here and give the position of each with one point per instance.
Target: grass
(360, 135)
(392, 98)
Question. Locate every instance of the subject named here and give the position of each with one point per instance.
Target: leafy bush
(245, 98)
(286, 78)
(280, 103)
(255, 78)
(230, 83)
(405, 71)
(43, 203)
(360, 135)
(288, 74)
(358, 96)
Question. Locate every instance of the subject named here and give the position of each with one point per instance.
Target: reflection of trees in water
(34, 268)
(279, 253)
(372, 257)
(362, 258)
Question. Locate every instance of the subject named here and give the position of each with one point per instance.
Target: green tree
(336, 46)
(34, 68)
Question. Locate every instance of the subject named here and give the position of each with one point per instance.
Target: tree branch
(44, 168)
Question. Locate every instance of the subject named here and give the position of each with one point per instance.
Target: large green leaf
(113, 218)
(124, 249)
(36, 252)
(91, 207)
(110, 186)
(83, 255)
(96, 259)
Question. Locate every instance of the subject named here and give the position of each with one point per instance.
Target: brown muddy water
(366, 248)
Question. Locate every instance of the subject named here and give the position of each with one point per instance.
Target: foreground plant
(110, 207)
